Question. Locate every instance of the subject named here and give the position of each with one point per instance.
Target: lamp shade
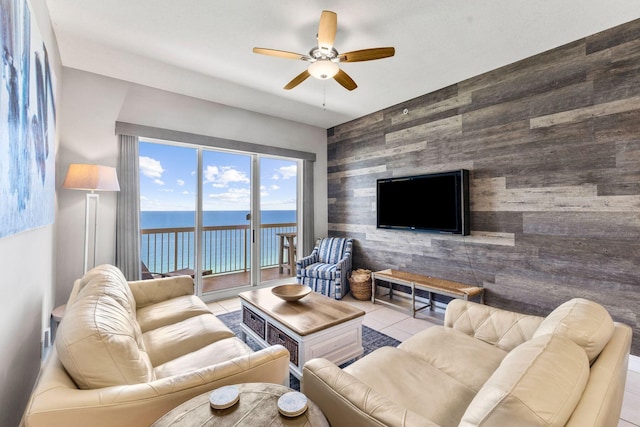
(91, 177)
(323, 69)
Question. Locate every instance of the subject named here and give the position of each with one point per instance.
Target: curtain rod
(209, 141)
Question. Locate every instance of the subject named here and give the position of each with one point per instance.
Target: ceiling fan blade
(327, 29)
(346, 81)
(280, 53)
(297, 80)
(367, 54)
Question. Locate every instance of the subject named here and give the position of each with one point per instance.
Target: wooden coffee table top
(310, 314)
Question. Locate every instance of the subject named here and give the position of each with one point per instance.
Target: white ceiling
(202, 48)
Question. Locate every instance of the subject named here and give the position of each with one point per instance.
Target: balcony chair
(327, 269)
(146, 274)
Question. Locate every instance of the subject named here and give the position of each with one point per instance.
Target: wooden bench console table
(429, 284)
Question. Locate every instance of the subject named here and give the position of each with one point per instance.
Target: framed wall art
(27, 123)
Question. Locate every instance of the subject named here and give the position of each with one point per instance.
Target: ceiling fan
(324, 58)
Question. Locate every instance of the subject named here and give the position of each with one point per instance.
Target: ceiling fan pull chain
(324, 96)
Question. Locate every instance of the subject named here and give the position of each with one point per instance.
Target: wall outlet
(46, 337)
(45, 343)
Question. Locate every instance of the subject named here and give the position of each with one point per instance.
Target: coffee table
(314, 326)
(257, 406)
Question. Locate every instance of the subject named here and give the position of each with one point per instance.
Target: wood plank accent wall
(552, 143)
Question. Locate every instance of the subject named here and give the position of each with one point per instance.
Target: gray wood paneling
(553, 146)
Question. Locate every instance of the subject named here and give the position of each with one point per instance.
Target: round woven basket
(360, 284)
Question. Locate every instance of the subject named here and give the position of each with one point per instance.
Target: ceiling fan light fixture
(324, 58)
(323, 69)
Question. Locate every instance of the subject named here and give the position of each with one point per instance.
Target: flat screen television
(437, 202)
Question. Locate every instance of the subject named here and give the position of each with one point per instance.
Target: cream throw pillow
(99, 342)
(539, 383)
(585, 322)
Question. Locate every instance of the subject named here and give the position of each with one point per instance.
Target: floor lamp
(91, 178)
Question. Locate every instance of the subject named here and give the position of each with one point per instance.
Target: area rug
(371, 340)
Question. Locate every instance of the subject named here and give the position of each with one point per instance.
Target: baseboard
(634, 363)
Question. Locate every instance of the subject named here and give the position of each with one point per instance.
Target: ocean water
(175, 219)
(224, 250)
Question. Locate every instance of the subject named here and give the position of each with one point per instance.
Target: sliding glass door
(226, 220)
(168, 203)
(229, 219)
(278, 217)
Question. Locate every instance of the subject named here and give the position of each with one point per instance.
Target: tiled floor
(401, 326)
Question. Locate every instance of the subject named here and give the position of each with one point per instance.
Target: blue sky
(168, 180)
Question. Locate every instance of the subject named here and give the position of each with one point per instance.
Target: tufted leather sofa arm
(352, 402)
(504, 329)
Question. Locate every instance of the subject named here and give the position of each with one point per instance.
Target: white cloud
(285, 172)
(180, 182)
(223, 176)
(151, 168)
(233, 195)
(274, 187)
(210, 173)
(288, 171)
(158, 181)
(185, 192)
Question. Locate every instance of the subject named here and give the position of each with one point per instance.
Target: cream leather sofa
(485, 367)
(128, 352)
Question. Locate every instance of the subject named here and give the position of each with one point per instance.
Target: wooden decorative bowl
(291, 292)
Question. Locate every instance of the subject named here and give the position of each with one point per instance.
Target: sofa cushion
(99, 271)
(320, 270)
(538, 383)
(99, 344)
(172, 341)
(114, 283)
(585, 322)
(212, 354)
(468, 360)
(409, 381)
(170, 311)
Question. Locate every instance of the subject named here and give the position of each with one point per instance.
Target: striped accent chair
(328, 268)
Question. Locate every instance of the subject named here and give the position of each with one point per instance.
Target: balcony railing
(225, 248)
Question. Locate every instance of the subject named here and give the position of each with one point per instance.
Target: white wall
(27, 272)
(91, 106)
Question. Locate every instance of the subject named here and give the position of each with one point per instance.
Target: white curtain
(128, 210)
